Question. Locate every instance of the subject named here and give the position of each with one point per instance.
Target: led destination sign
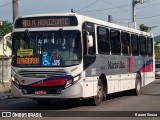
(49, 21)
(46, 22)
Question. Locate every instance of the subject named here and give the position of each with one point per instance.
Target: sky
(146, 13)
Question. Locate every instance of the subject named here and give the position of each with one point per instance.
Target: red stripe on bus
(59, 82)
(147, 68)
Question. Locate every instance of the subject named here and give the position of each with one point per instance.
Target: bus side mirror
(5, 39)
(90, 41)
(4, 44)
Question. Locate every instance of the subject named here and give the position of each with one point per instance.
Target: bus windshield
(47, 48)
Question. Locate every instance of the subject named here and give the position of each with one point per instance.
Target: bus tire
(137, 89)
(97, 100)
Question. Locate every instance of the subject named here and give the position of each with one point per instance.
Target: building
(1, 22)
(5, 58)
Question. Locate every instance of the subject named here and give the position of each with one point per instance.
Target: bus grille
(41, 74)
(48, 90)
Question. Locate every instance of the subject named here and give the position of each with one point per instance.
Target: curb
(4, 87)
(4, 96)
(5, 92)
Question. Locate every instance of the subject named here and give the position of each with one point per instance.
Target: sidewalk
(4, 96)
(5, 91)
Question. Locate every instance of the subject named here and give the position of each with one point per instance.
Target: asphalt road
(120, 104)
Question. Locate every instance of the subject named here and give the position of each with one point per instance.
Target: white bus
(63, 56)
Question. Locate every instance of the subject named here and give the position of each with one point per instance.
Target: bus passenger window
(125, 37)
(143, 46)
(103, 40)
(115, 42)
(135, 45)
(150, 46)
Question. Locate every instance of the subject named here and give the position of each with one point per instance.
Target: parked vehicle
(157, 70)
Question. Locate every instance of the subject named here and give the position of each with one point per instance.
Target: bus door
(89, 48)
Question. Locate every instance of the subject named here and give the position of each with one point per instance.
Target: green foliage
(157, 47)
(5, 28)
(145, 28)
(157, 38)
(157, 51)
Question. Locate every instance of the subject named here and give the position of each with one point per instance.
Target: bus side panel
(115, 83)
(124, 83)
(89, 86)
(148, 78)
(121, 71)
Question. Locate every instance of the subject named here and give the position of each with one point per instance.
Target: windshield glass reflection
(47, 48)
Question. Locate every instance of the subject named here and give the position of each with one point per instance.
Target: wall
(5, 61)
(5, 71)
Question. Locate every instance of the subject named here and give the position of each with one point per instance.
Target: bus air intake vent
(41, 74)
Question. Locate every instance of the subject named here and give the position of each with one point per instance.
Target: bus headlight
(13, 78)
(68, 83)
(76, 78)
(15, 82)
(72, 81)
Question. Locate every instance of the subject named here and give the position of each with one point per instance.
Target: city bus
(71, 56)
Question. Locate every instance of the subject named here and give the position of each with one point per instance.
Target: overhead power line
(5, 4)
(141, 18)
(107, 8)
(120, 7)
(149, 6)
(139, 7)
(106, 2)
(87, 6)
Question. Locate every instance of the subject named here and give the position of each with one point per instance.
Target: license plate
(40, 92)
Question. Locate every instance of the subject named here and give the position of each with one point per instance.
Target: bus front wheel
(97, 100)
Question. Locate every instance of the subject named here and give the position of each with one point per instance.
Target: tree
(157, 51)
(5, 28)
(145, 28)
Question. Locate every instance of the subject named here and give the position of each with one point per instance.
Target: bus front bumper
(74, 91)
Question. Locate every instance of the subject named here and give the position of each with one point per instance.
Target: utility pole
(110, 19)
(133, 10)
(132, 24)
(15, 8)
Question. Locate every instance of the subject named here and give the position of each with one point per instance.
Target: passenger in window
(126, 48)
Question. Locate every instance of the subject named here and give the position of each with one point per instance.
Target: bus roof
(93, 20)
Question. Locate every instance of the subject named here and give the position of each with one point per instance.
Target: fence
(5, 71)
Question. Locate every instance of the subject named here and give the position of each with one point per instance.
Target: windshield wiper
(65, 37)
(63, 33)
(29, 36)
